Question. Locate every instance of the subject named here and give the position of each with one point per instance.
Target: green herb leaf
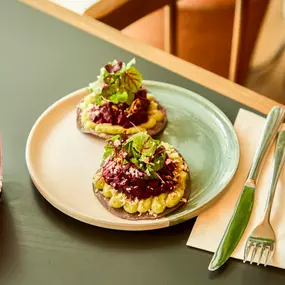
(98, 100)
(125, 161)
(149, 147)
(119, 97)
(139, 140)
(132, 80)
(114, 83)
(151, 172)
(131, 97)
(113, 138)
(158, 161)
(141, 147)
(143, 144)
(109, 149)
(128, 146)
(135, 153)
(131, 150)
(135, 161)
(117, 87)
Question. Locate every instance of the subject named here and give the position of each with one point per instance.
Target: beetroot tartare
(117, 102)
(141, 178)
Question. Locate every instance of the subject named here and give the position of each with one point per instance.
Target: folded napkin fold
(211, 224)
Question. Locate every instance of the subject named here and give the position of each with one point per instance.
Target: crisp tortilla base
(121, 213)
(159, 127)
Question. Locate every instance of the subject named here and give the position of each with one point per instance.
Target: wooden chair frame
(110, 12)
(242, 45)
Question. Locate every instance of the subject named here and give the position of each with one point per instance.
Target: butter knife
(244, 205)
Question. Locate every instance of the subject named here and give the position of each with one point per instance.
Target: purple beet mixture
(135, 183)
(122, 114)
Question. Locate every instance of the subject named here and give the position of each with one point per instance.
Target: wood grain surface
(170, 62)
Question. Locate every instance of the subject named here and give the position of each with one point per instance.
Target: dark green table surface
(41, 60)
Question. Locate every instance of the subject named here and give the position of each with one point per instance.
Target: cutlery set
(261, 242)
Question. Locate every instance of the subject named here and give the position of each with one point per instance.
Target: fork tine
(261, 254)
(253, 253)
(269, 256)
(246, 251)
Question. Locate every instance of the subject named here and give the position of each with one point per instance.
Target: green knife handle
(235, 228)
(279, 159)
(273, 122)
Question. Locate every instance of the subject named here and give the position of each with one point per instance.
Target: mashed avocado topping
(141, 174)
(118, 102)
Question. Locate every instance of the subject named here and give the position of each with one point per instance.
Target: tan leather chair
(121, 13)
(240, 33)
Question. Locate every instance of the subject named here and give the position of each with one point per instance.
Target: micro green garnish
(131, 80)
(98, 100)
(140, 150)
(117, 83)
(113, 145)
(109, 149)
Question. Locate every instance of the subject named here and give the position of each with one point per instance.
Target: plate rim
(154, 224)
(179, 217)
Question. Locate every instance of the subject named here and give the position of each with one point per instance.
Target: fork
(263, 237)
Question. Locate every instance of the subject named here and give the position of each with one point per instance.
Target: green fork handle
(273, 122)
(279, 159)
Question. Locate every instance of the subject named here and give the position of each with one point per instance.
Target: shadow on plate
(120, 240)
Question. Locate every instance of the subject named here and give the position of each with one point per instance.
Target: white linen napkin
(211, 224)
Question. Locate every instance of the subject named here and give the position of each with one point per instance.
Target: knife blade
(235, 228)
(242, 212)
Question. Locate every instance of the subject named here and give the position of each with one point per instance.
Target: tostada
(118, 102)
(141, 178)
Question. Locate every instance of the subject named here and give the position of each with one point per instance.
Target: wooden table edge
(157, 56)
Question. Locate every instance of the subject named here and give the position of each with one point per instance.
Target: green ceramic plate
(205, 137)
(62, 161)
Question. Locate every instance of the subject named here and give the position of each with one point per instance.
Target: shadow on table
(147, 240)
(114, 238)
(249, 272)
(264, 275)
(8, 242)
